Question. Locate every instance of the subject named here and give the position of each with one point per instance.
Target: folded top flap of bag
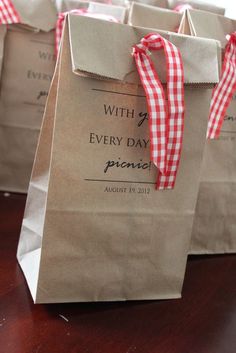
(68, 5)
(210, 25)
(199, 4)
(40, 14)
(157, 3)
(105, 49)
(154, 17)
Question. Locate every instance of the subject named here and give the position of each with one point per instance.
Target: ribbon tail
(223, 93)
(8, 13)
(165, 122)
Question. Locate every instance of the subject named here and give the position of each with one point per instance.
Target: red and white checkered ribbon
(223, 92)
(80, 12)
(166, 119)
(8, 13)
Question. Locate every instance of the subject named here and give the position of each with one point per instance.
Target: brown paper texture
(199, 5)
(28, 66)
(158, 3)
(210, 25)
(30, 243)
(40, 14)
(107, 234)
(118, 9)
(2, 39)
(123, 3)
(215, 218)
(118, 65)
(154, 17)
(118, 12)
(68, 5)
(184, 27)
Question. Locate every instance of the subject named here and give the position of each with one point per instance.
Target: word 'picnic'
(123, 164)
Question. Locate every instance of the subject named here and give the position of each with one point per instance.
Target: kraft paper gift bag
(38, 14)
(197, 4)
(214, 228)
(158, 3)
(118, 12)
(27, 69)
(95, 227)
(99, 11)
(2, 38)
(68, 5)
(154, 17)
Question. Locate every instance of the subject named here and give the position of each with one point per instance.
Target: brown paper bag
(39, 14)
(158, 3)
(27, 69)
(199, 5)
(118, 12)
(115, 13)
(214, 229)
(2, 38)
(108, 234)
(68, 5)
(154, 17)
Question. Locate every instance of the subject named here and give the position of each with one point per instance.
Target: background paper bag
(68, 5)
(154, 17)
(39, 14)
(118, 12)
(27, 69)
(214, 229)
(158, 3)
(2, 38)
(106, 233)
(198, 4)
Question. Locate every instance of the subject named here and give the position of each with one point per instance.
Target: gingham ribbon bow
(223, 92)
(8, 13)
(81, 12)
(166, 119)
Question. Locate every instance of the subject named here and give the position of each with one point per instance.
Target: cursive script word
(229, 118)
(123, 164)
(42, 94)
(143, 116)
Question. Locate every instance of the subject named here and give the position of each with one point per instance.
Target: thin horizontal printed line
(120, 181)
(41, 42)
(114, 92)
(228, 132)
(35, 104)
